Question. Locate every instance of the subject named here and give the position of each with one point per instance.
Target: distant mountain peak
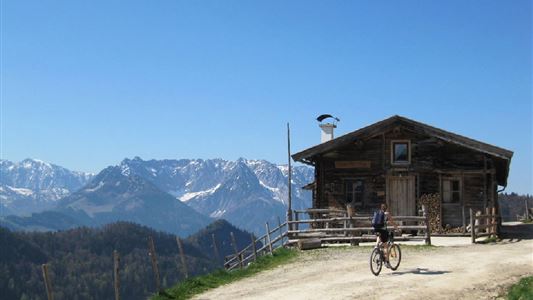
(33, 185)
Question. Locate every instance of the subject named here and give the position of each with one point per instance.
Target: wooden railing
(271, 240)
(483, 225)
(342, 228)
(327, 225)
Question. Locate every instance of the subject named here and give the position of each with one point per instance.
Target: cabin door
(401, 195)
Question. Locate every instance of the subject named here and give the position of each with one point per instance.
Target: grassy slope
(523, 290)
(197, 285)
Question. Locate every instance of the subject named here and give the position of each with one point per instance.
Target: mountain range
(178, 196)
(33, 185)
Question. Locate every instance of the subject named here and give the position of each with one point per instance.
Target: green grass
(194, 286)
(523, 290)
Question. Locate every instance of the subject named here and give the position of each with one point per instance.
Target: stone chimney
(327, 132)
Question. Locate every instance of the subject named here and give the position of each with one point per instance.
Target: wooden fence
(271, 240)
(483, 225)
(328, 225)
(335, 226)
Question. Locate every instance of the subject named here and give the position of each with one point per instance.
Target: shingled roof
(306, 156)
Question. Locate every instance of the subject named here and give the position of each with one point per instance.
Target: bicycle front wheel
(376, 263)
(395, 256)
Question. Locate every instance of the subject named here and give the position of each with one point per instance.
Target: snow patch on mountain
(99, 186)
(188, 196)
(218, 213)
(21, 191)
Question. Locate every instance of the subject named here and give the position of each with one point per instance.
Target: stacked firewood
(432, 204)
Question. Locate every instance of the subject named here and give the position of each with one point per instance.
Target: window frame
(392, 156)
(352, 181)
(452, 192)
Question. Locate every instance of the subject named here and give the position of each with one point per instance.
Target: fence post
(47, 283)
(116, 274)
(253, 246)
(472, 226)
(428, 226)
(487, 220)
(268, 238)
(296, 218)
(464, 219)
(182, 257)
(235, 248)
(280, 231)
(155, 267)
(493, 221)
(215, 248)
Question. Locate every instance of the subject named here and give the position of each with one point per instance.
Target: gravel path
(454, 272)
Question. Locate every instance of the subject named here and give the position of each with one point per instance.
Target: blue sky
(87, 83)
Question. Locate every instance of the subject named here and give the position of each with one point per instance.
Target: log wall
(432, 160)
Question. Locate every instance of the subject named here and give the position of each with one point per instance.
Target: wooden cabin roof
(503, 156)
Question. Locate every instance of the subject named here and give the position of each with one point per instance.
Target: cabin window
(401, 152)
(354, 191)
(451, 191)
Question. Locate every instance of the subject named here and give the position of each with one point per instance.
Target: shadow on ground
(517, 232)
(421, 271)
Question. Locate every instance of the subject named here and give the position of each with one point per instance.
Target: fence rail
(483, 225)
(335, 226)
(271, 240)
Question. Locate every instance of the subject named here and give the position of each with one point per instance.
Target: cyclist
(379, 222)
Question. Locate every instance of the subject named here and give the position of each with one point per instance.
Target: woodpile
(432, 204)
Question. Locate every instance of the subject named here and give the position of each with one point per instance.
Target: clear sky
(87, 83)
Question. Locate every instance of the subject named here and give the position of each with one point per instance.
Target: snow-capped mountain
(161, 193)
(247, 193)
(33, 185)
(116, 195)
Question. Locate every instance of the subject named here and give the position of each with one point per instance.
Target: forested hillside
(81, 260)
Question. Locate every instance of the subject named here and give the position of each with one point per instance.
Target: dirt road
(458, 272)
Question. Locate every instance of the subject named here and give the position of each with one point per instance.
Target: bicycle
(377, 257)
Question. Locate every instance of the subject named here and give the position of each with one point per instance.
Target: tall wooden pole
(472, 227)
(116, 275)
(155, 267)
(289, 183)
(182, 257)
(47, 283)
(280, 231)
(269, 241)
(254, 248)
(237, 256)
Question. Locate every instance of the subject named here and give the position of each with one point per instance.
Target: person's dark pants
(383, 234)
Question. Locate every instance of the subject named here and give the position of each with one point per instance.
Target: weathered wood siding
(431, 161)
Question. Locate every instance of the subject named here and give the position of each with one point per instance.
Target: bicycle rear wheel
(395, 256)
(376, 263)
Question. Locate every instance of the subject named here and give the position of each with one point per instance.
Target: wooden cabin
(398, 160)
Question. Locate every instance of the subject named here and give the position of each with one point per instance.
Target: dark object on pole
(325, 116)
